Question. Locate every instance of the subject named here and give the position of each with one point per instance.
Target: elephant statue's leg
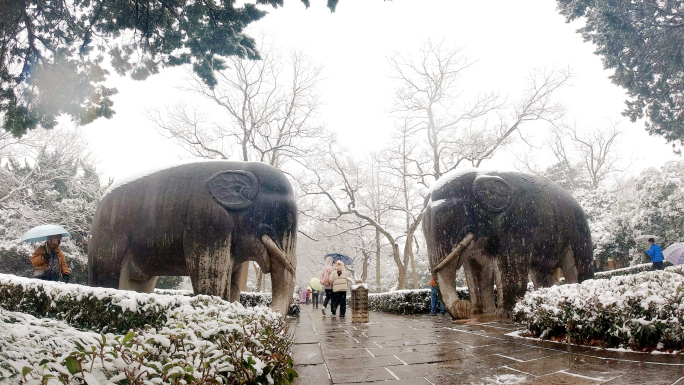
(514, 272)
(209, 264)
(104, 267)
(541, 278)
(237, 279)
(569, 267)
(479, 271)
(133, 278)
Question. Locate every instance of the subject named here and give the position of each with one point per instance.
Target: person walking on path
(339, 279)
(49, 261)
(314, 298)
(327, 287)
(656, 255)
(434, 298)
(308, 294)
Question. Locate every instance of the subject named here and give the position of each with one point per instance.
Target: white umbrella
(41, 233)
(675, 253)
(646, 237)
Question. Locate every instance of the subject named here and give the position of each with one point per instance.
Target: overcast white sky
(507, 38)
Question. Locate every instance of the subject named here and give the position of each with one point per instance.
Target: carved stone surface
(359, 304)
(503, 227)
(203, 220)
(462, 309)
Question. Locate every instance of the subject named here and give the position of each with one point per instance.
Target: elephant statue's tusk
(275, 252)
(456, 252)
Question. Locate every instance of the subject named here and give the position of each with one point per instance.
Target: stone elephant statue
(503, 227)
(203, 220)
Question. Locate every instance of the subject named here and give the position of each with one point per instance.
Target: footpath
(424, 349)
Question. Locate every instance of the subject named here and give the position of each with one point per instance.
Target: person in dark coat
(435, 297)
(314, 298)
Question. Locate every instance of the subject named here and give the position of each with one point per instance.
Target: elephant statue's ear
(492, 192)
(234, 189)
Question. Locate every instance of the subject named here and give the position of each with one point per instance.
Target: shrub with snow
(626, 270)
(641, 311)
(174, 339)
(406, 301)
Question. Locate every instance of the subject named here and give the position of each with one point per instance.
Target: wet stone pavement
(399, 350)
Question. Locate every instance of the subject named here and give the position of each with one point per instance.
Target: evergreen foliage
(642, 42)
(52, 53)
(54, 182)
(639, 311)
(95, 335)
(653, 205)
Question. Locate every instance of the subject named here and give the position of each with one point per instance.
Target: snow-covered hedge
(265, 299)
(191, 340)
(406, 301)
(626, 270)
(641, 311)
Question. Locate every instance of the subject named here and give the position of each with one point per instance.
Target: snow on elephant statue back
(200, 219)
(503, 227)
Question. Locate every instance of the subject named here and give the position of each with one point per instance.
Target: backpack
(325, 277)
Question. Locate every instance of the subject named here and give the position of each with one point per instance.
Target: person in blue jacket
(656, 255)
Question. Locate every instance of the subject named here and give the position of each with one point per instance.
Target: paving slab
(420, 349)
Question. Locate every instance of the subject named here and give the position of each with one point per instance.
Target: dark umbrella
(340, 257)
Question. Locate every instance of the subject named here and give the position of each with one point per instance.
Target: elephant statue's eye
(234, 190)
(494, 193)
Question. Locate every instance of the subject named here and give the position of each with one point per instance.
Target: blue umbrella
(41, 233)
(340, 257)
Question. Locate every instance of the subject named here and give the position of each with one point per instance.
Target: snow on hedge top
(130, 300)
(656, 291)
(146, 172)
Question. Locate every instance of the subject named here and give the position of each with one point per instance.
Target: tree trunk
(401, 279)
(364, 272)
(414, 276)
(377, 259)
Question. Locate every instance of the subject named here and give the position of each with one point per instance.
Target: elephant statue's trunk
(283, 271)
(445, 274)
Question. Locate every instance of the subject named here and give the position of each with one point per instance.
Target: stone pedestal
(359, 304)
(461, 309)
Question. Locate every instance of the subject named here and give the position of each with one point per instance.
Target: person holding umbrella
(326, 283)
(49, 261)
(656, 255)
(316, 288)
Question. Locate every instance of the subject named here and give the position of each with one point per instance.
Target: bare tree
(269, 110)
(458, 129)
(584, 157)
(363, 193)
(400, 161)
(592, 150)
